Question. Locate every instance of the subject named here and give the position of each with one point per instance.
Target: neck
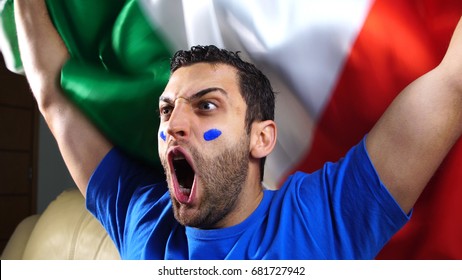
(247, 203)
(249, 199)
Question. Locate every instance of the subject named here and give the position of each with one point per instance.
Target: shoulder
(118, 177)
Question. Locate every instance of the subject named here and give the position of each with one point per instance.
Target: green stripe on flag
(118, 68)
(8, 41)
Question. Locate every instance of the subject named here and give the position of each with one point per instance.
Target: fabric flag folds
(119, 66)
(336, 64)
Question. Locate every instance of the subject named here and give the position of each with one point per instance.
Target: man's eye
(165, 111)
(207, 106)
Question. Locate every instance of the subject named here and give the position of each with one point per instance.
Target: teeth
(178, 157)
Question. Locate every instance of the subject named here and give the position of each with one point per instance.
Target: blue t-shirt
(342, 211)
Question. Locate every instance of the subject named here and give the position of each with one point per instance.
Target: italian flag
(336, 65)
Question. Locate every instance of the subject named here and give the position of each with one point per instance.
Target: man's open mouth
(183, 175)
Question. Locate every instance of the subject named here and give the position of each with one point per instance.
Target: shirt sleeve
(349, 210)
(115, 183)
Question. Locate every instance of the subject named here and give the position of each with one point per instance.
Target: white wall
(53, 176)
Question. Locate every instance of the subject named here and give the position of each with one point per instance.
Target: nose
(179, 122)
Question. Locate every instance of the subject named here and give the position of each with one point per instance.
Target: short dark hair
(255, 87)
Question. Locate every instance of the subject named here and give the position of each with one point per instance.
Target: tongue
(182, 195)
(184, 190)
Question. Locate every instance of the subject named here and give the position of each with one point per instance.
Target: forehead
(191, 79)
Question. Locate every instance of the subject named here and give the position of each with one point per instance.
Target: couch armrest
(15, 247)
(66, 230)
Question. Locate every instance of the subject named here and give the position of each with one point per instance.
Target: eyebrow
(195, 96)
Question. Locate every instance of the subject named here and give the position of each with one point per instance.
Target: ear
(263, 138)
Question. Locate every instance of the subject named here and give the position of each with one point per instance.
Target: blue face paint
(163, 136)
(212, 134)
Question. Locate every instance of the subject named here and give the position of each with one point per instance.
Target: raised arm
(43, 54)
(419, 128)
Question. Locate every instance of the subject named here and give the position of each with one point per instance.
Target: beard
(221, 179)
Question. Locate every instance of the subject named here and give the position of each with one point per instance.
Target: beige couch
(65, 231)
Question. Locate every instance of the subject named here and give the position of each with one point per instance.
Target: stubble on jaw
(221, 180)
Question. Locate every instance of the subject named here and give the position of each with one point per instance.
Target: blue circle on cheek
(212, 134)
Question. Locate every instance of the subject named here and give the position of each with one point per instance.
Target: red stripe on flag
(400, 40)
